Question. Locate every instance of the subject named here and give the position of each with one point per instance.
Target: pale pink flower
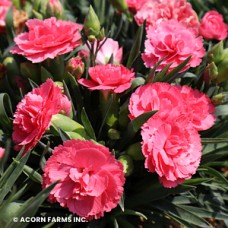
(4, 7)
(109, 77)
(171, 146)
(157, 96)
(108, 49)
(212, 26)
(198, 107)
(34, 113)
(91, 179)
(47, 39)
(2, 152)
(154, 11)
(173, 42)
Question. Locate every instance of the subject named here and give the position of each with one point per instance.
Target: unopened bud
(219, 98)
(54, 8)
(113, 134)
(216, 53)
(211, 73)
(127, 163)
(76, 67)
(92, 25)
(120, 5)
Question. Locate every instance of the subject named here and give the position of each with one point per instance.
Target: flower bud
(219, 98)
(120, 5)
(67, 124)
(223, 70)
(135, 151)
(216, 53)
(12, 68)
(127, 163)
(211, 73)
(76, 67)
(113, 134)
(54, 8)
(92, 25)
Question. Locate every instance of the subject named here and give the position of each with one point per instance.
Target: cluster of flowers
(91, 178)
(171, 143)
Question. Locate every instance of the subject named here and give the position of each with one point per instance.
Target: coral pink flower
(91, 179)
(2, 152)
(4, 7)
(108, 49)
(34, 113)
(174, 42)
(172, 147)
(212, 26)
(198, 107)
(158, 10)
(135, 5)
(109, 77)
(47, 39)
(157, 96)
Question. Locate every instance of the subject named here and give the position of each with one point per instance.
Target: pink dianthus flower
(47, 39)
(91, 179)
(173, 42)
(34, 113)
(109, 77)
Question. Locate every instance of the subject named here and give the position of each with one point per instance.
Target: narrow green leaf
(5, 112)
(87, 125)
(176, 70)
(32, 83)
(179, 211)
(9, 25)
(121, 203)
(31, 206)
(160, 76)
(214, 140)
(213, 173)
(19, 165)
(115, 223)
(63, 135)
(135, 213)
(135, 50)
(221, 110)
(197, 181)
(32, 174)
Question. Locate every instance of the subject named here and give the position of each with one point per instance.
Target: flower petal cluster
(212, 26)
(47, 39)
(153, 11)
(91, 179)
(109, 77)
(34, 113)
(171, 143)
(173, 42)
(172, 148)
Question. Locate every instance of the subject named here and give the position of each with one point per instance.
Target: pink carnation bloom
(212, 26)
(34, 113)
(108, 49)
(150, 97)
(174, 42)
(109, 77)
(91, 179)
(4, 7)
(47, 39)
(198, 107)
(172, 147)
(158, 10)
(2, 152)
